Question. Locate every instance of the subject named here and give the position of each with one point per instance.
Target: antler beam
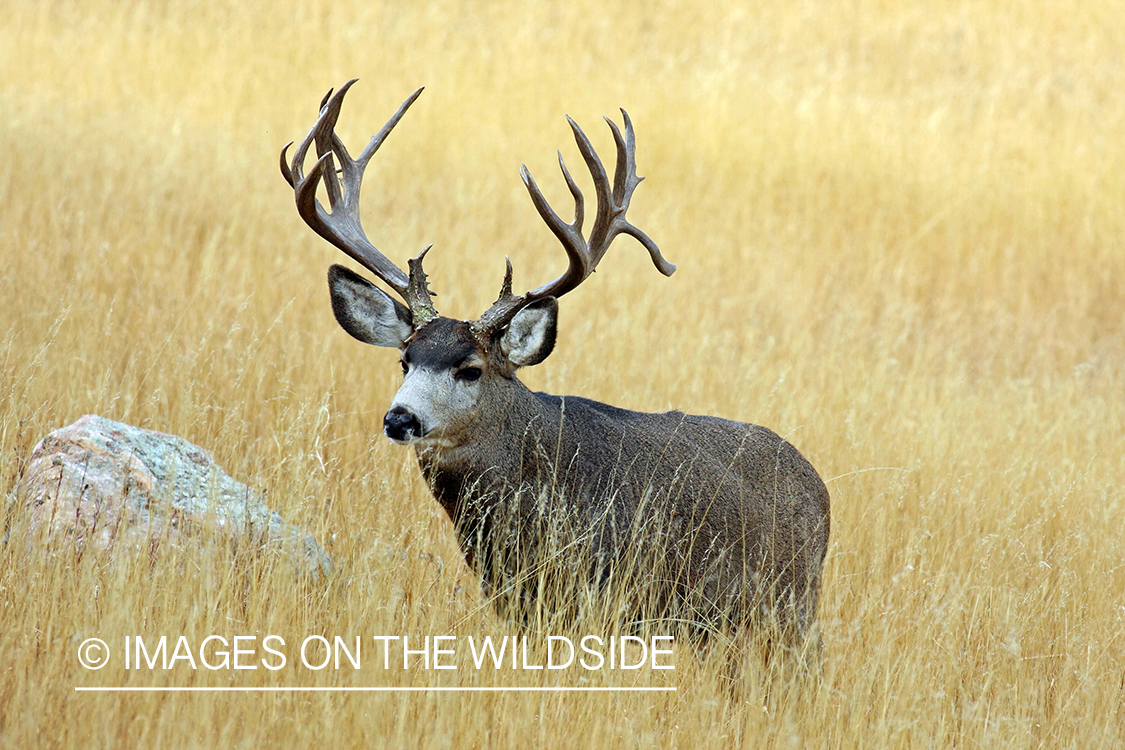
(609, 222)
(341, 225)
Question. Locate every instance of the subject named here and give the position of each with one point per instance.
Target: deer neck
(505, 448)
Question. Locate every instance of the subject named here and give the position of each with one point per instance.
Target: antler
(584, 255)
(341, 225)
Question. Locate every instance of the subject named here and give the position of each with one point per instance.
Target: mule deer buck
(710, 522)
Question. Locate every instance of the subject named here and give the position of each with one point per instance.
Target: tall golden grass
(899, 230)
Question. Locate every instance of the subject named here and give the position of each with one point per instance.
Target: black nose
(400, 424)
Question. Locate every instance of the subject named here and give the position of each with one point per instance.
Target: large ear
(530, 337)
(366, 312)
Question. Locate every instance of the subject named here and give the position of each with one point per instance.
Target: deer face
(454, 383)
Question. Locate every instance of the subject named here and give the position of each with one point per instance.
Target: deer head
(457, 373)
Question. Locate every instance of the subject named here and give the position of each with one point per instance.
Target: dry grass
(900, 232)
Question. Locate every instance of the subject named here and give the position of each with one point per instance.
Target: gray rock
(105, 484)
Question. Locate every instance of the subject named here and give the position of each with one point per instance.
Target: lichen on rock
(106, 485)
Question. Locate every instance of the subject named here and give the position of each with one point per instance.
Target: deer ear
(366, 312)
(530, 337)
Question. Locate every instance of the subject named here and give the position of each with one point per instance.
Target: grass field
(900, 232)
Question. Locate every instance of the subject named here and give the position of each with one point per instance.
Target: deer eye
(405, 367)
(467, 374)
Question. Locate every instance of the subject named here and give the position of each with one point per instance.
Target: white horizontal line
(309, 689)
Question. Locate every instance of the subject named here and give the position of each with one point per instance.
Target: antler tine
(570, 235)
(625, 181)
(609, 221)
(296, 174)
(341, 224)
